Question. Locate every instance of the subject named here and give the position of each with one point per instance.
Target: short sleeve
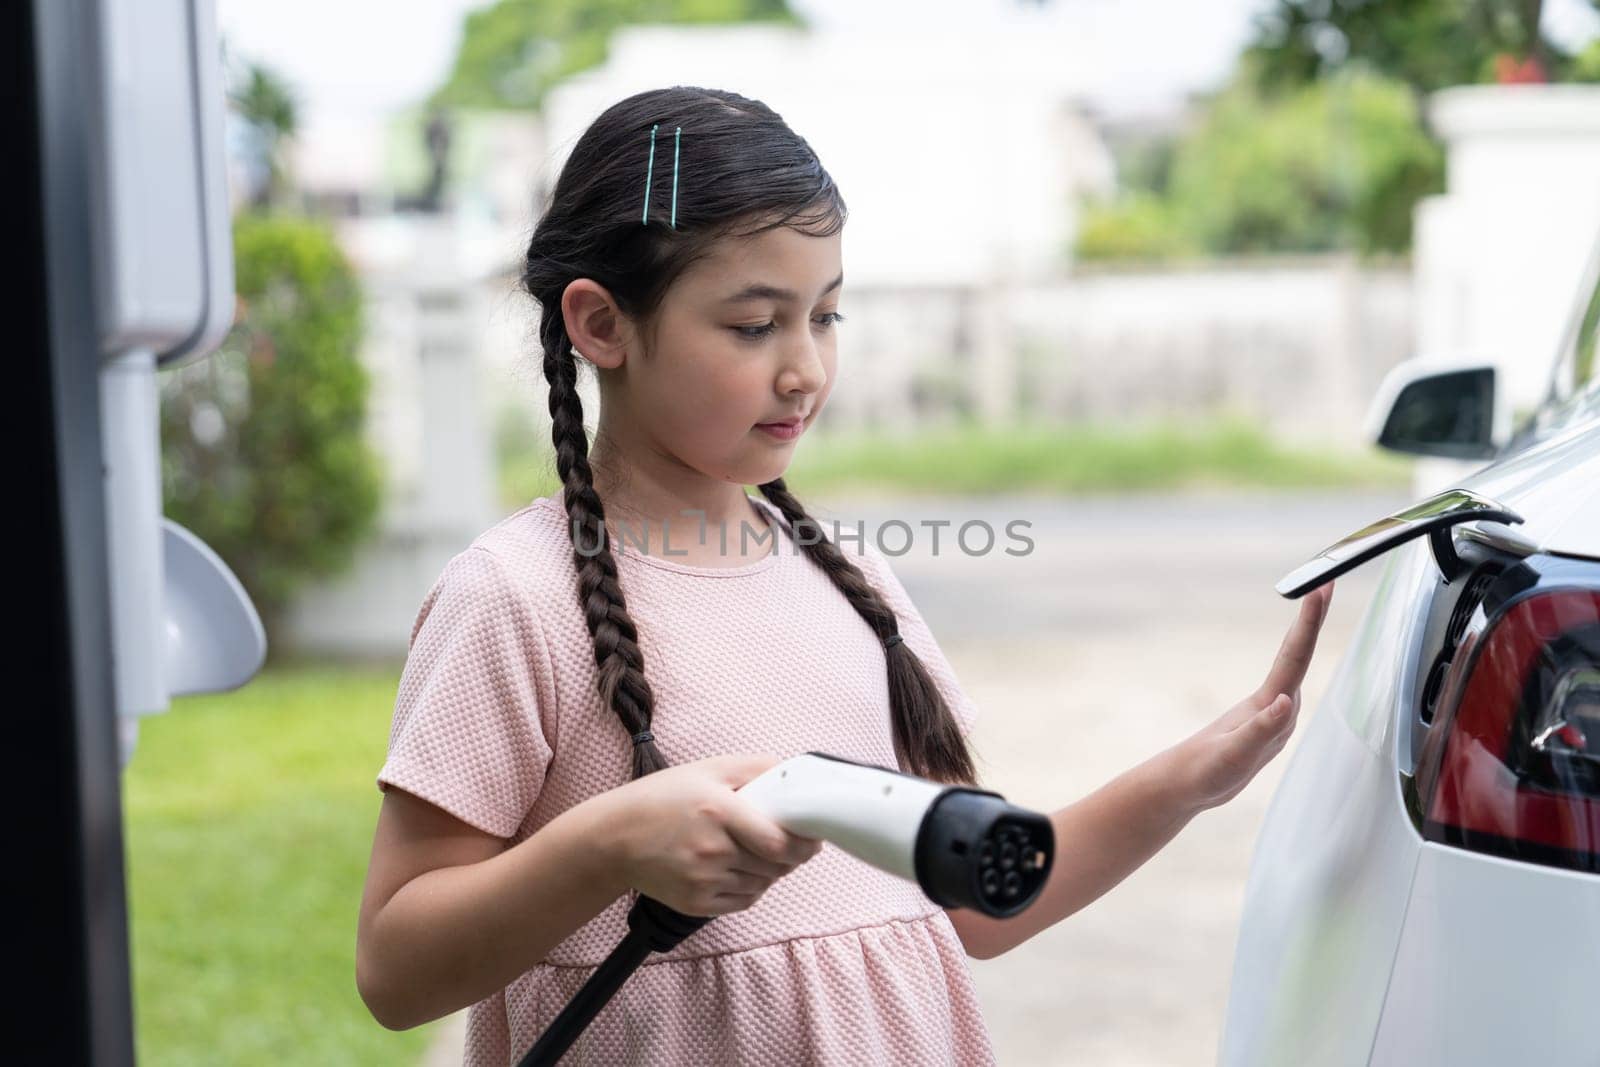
(467, 733)
(918, 637)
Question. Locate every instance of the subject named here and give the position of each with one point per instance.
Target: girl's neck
(652, 506)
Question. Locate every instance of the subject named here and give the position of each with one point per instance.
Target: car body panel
(1311, 965)
(1554, 485)
(1473, 984)
(1361, 943)
(1328, 905)
(1326, 897)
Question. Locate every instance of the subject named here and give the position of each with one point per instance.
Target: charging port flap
(1435, 517)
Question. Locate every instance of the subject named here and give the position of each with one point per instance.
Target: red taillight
(1512, 766)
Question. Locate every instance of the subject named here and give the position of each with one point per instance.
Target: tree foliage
(271, 113)
(1335, 164)
(1141, 225)
(264, 454)
(513, 51)
(1316, 169)
(1586, 64)
(1426, 44)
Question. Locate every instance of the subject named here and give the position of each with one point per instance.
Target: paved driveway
(1133, 622)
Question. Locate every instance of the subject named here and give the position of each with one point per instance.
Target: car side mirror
(1428, 411)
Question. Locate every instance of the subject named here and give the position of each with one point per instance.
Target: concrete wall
(1297, 345)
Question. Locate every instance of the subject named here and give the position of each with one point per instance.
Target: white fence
(1297, 345)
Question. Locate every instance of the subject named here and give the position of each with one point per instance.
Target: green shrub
(1136, 227)
(1048, 457)
(1338, 163)
(1586, 64)
(264, 454)
(1342, 161)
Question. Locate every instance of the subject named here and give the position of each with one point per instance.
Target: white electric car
(1426, 885)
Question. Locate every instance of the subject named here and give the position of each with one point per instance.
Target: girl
(578, 708)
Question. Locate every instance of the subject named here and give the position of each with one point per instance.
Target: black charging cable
(652, 927)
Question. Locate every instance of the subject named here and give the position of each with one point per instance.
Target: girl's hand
(690, 841)
(1220, 760)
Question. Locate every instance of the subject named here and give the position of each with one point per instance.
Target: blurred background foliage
(1319, 141)
(271, 114)
(1333, 164)
(263, 448)
(1424, 44)
(513, 51)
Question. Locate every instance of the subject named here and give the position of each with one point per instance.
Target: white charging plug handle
(872, 813)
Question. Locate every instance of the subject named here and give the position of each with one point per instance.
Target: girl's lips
(784, 431)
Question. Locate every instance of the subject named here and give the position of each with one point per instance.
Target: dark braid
(753, 174)
(919, 709)
(623, 687)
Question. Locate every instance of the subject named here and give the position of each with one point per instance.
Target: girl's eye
(755, 333)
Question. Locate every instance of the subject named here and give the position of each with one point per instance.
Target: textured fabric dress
(498, 721)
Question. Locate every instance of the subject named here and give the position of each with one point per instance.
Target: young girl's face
(744, 336)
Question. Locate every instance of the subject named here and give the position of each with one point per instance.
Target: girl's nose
(803, 369)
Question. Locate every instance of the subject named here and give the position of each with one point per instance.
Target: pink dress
(498, 721)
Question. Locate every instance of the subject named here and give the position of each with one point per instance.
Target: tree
(513, 51)
(1335, 164)
(1586, 64)
(1425, 44)
(269, 109)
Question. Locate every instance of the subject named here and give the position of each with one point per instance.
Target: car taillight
(1512, 766)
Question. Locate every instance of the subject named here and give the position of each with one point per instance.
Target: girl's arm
(450, 915)
(1110, 833)
(1100, 840)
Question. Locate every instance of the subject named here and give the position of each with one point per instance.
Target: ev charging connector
(965, 847)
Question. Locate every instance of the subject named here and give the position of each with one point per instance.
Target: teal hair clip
(677, 141)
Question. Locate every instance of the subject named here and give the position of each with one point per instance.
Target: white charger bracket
(181, 623)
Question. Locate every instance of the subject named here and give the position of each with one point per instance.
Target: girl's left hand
(1220, 760)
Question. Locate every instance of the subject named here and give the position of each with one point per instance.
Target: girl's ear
(595, 325)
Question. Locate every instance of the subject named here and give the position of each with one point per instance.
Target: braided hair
(753, 174)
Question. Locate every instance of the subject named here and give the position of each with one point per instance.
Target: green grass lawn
(1077, 458)
(1036, 458)
(249, 821)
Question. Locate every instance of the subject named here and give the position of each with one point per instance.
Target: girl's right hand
(1222, 758)
(690, 841)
